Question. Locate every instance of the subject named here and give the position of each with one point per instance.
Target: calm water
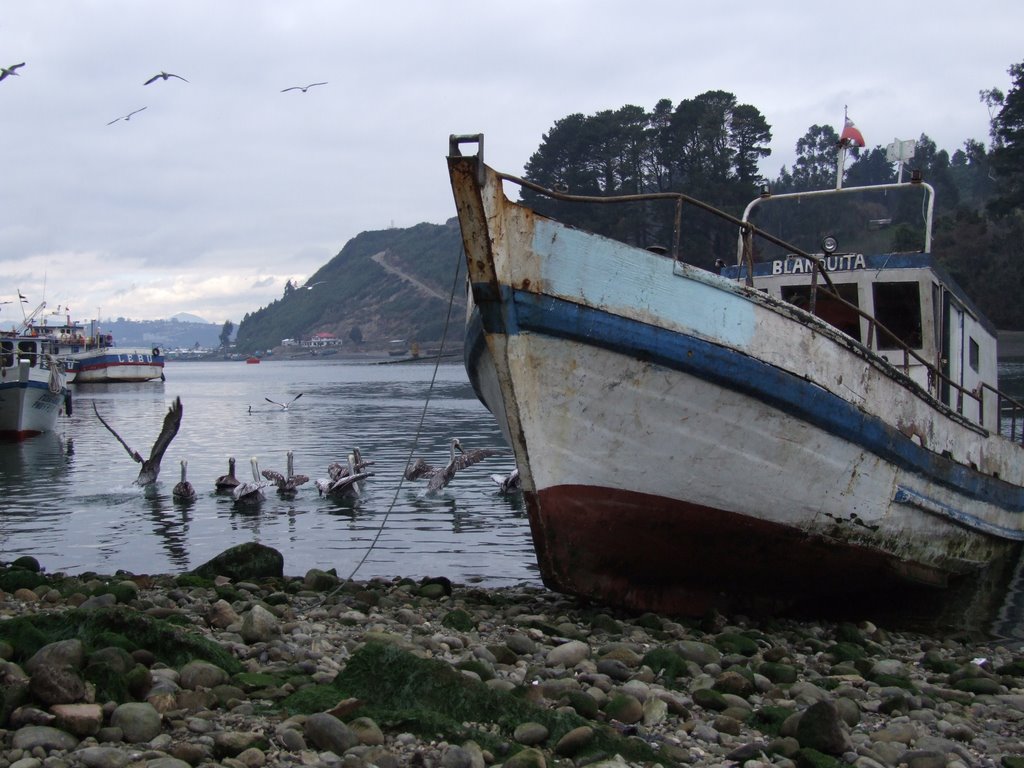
(68, 499)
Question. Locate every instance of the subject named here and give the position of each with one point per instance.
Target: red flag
(851, 135)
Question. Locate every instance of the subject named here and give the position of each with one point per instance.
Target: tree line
(711, 147)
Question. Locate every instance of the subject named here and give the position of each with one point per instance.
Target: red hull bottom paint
(648, 553)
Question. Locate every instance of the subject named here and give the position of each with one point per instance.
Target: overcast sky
(224, 187)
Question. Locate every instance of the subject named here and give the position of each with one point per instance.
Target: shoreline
(311, 671)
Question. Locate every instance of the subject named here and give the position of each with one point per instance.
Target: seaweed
(428, 697)
(117, 626)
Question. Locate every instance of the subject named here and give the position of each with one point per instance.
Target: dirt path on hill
(422, 287)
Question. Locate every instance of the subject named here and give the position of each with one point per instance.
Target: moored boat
(94, 357)
(813, 422)
(33, 392)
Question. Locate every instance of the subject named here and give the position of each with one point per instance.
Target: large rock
(251, 560)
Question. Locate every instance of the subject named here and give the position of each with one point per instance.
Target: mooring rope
(416, 437)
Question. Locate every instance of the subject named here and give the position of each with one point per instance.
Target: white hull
(115, 364)
(29, 402)
(681, 436)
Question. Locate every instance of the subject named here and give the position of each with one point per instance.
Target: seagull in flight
(284, 406)
(5, 71)
(151, 466)
(163, 76)
(302, 88)
(126, 117)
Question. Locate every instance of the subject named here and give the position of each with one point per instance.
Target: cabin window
(898, 308)
(833, 312)
(974, 355)
(7, 354)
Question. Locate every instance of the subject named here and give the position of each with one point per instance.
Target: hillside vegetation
(383, 285)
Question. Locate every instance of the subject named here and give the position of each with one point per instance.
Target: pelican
(344, 481)
(247, 493)
(5, 71)
(302, 88)
(228, 482)
(288, 484)
(439, 478)
(163, 76)
(284, 406)
(127, 117)
(151, 466)
(509, 483)
(183, 491)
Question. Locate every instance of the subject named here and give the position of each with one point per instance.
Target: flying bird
(284, 406)
(439, 478)
(287, 485)
(302, 88)
(126, 117)
(163, 76)
(5, 71)
(227, 483)
(151, 466)
(183, 490)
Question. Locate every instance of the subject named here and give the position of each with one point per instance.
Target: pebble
(703, 694)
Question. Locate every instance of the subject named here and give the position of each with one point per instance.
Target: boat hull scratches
(780, 390)
(612, 546)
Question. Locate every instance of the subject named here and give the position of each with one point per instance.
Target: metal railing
(936, 378)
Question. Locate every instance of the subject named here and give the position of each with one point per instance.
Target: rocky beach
(234, 664)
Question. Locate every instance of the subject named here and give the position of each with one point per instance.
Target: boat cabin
(865, 266)
(16, 351)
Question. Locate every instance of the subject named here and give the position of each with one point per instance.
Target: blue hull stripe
(513, 312)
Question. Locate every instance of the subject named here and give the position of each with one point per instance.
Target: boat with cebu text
(33, 392)
(93, 357)
(817, 420)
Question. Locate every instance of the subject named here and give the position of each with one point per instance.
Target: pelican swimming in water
(250, 493)
(439, 478)
(227, 483)
(183, 490)
(508, 483)
(302, 88)
(163, 76)
(287, 485)
(151, 466)
(284, 406)
(344, 482)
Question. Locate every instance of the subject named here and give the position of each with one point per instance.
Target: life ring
(156, 351)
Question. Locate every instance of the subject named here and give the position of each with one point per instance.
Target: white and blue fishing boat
(33, 392)
(92, 357)
(817, 420)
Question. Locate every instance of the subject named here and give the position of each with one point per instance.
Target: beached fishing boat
(818, 419)
(33, 392)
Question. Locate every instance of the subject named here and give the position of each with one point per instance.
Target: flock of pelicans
(344, 481)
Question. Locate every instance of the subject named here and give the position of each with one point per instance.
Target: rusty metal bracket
(456, 140)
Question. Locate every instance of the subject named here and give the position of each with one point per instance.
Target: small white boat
(811, 423)
(33, 392)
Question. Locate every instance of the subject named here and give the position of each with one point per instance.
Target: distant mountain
(185, 317)
(165, 334)
(383, 285)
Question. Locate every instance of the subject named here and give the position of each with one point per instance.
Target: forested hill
(386, 284)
